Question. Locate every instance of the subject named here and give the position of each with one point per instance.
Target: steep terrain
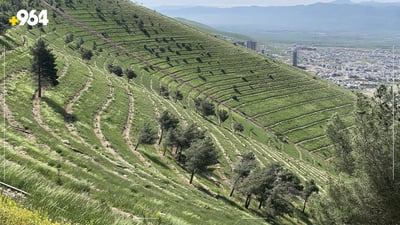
(73, 150)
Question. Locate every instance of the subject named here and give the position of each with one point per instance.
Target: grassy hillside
(213, 68)
(72, 150)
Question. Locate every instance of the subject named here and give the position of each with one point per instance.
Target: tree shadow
(265, 216)
(229, 202)
(155, 160)
(205, 191)
(68, 118)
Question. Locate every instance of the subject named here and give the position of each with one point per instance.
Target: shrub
(130, 74)
(117, 70)
(237, 127)
(164, 92)
(69, 38)
(86, 54)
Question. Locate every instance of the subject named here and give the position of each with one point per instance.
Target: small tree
(167, 121)
(308, 190)
(164, 92)
(69, 38)
(43, 66)
(340, 137)
(130, 74)
(94, 47)
(117, 70)
(277, 205)
(199, 156)
(222, 116)
(206, 108)
(237, 127)
(250, 185)
(172, 139)
(189, 135)
(86, 54)
(79, 43)
(178, 95)
(147, 136)
(242, 169)
(273, 178)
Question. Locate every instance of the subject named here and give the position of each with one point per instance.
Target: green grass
(108, 182)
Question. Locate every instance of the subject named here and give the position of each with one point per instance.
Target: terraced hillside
(73, 149)
(274, 96)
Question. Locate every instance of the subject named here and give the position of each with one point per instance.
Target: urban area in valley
(353, 68)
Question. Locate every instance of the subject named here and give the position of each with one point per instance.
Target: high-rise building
(295, 57)
(251, 45)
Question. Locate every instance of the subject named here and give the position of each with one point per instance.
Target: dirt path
(71, 103)
(223, 151)
(6, 111)
(165, 72)
(15, 124)
(127, 130)
(36, 110)
(153, 94)
(65, 68)
(126, 134)
(97, 121)
(130, 168)
(157, 147)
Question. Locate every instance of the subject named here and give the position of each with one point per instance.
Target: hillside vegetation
(120, 66)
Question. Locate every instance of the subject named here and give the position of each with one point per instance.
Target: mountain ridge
(365, 18)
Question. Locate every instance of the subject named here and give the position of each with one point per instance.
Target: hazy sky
(228, 3)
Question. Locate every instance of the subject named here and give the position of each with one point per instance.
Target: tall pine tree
(372, 194)
(43, 66)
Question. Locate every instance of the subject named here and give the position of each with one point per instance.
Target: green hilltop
(73, 149)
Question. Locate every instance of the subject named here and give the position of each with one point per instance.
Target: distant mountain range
(340, 17)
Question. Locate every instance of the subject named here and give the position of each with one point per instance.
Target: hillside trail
(167, 73)
(291, 106)
(323, 148)
(6, 111)
(127, 130)
(97, 122)
(196, 118)
(153, 95)
(72, 129)
(70, 124)
(141, 158)
(36, 110)
(37, 116)
(127, 137)
(156, 146)
(24, 40)
(144, 61)
(15, 124)
(305, 126)
(65, 68)
(127, 166)
(274, 155)
(309, 114)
